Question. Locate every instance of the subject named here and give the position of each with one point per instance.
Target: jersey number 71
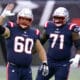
(55, 37)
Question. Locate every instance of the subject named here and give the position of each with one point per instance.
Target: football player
(61, 35)
(21, 38)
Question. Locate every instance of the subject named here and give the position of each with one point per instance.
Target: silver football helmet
(60, 16)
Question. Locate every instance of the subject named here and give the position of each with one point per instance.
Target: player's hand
(75, 61)
(45, 69)
(7, 10)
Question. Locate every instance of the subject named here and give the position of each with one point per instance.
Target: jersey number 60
(22, 45)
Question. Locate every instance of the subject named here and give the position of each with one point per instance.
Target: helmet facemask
(60, 16)
(59, 21)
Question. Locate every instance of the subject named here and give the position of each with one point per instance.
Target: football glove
(45, 69)
(7, 11)
(75, 61)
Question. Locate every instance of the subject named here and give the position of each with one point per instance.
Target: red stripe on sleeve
(71, 26)
(46, 24)
(11, 24)
(37, 32)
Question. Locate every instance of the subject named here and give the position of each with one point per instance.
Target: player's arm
(4, 31)
(41, 51)
(76, 40)
(42, 55)
(43, 37)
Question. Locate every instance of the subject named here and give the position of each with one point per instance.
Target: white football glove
(75, 61)
(7, 13)
(7, 10)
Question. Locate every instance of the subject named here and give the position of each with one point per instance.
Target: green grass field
(73, 75)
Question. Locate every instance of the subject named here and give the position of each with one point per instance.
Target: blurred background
(42, 11)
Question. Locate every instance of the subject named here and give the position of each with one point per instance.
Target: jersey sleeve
(76, 37)
(46, 24)
(10, 24)
(75, 31)
(74, 28)
(46, 27)
(37, 33)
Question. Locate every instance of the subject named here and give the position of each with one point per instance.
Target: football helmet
(60, 16)
(25, 17)
(26, 12)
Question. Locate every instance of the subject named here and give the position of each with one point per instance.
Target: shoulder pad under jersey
(37, 31)
(46, 24)
(71, 26)
(10, 24)
(74, 27)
